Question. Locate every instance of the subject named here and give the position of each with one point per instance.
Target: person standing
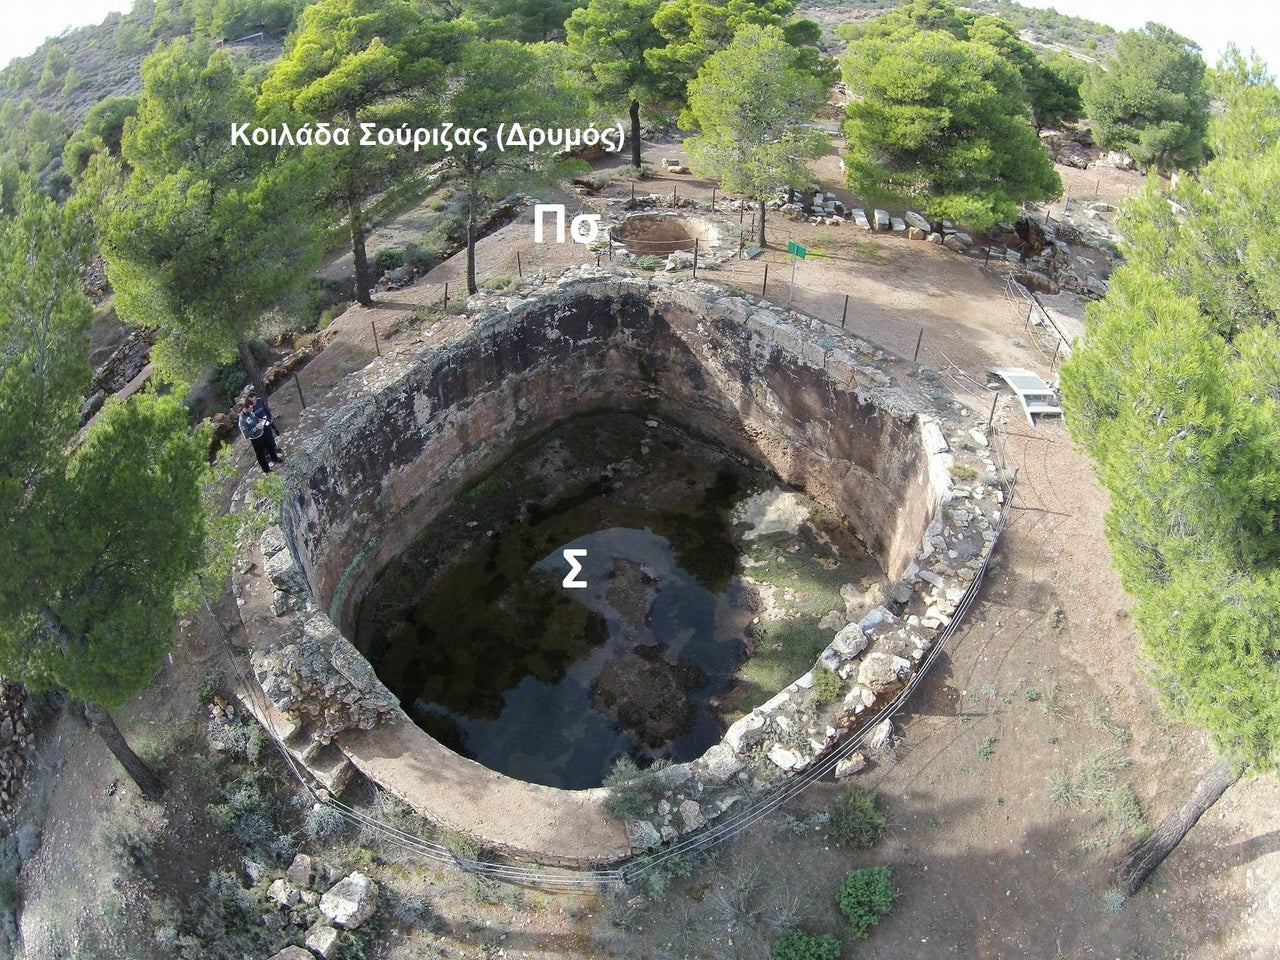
(254, 430)
(263, 413)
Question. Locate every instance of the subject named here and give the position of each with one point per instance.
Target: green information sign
(795, 248)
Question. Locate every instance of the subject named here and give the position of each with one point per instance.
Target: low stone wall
(413, 431)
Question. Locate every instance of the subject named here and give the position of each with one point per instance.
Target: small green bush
(388, 258)
(632, 792)
(865, 898)
(420, 259)
(798, 945)
(827, 685)
(500, 282)
(856, 821)
(228, 379)
(650, 262)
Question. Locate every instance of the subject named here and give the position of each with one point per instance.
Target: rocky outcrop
(312, 673)
(321, 679)
(15, 744)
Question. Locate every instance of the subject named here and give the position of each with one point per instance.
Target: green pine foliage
(1175, 397)
(693, 30)
(745, 103)
(205, 236)
(866, 897)
(939, 121)
(1150, 99)
(608, 40)
(102, 529)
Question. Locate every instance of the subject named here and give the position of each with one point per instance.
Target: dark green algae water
(473, 630)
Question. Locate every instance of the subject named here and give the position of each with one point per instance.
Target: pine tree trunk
(355, 218)
(364, 289)
(760, 240)
(1145, 856)
(140, 773)
(635, 134)
(471, 244)
(251, 367)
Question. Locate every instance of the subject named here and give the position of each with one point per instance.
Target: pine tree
(102, 530)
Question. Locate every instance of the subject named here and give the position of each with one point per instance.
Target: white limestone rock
(351, 901)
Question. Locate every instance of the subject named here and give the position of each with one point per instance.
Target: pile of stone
(321, 900)
(815, 206)
(1064, 148)
(15, 744)
(1047, 264)
(311, 673)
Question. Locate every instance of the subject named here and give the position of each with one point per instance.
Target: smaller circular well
(660, 235)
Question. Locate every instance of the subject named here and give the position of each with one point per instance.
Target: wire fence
(768, 277)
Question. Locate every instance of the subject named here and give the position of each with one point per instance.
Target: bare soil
(1045, 678)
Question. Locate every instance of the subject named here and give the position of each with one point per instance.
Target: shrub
(798, 945)
(856, 821)
(865, 898)
(323, 822)
(419, 259)
(228, 379)
(632, 791)
(650, 262)
(388, 258)
(827, 685)
(501, 282)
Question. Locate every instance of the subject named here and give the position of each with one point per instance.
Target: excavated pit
(662, 234)
(416, 436)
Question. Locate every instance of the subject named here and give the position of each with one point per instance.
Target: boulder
(899, 225)
(284, 572)
(691, 815)
(785, 758)
(850, 641)
(882, 219)
(880, 739)
(916, 234)
(722, 763)
(934, 238)
(302, 872)
(860, 218)
(292, 953)
(952, 242)
(917, 220)
(850, 765)
(883, 672)
(282, 892)
(744, 732)
(351, 901)
(322, 940)
(642, 835)
(272, 541)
